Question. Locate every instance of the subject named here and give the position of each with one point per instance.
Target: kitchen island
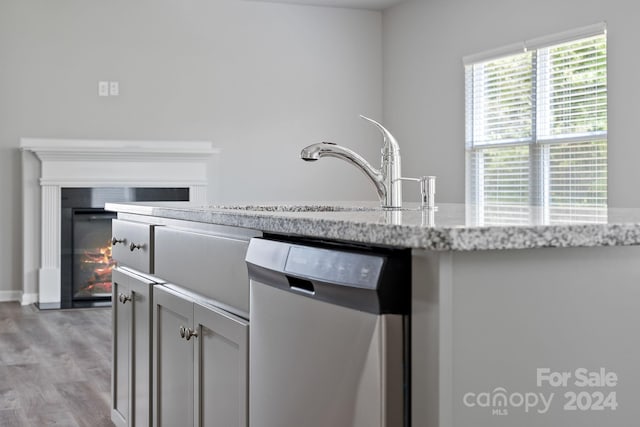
(518, 316)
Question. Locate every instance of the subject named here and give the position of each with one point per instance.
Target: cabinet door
(221, 368)
(141, 307)
(131, 371)
(172, 359)
(122, 335)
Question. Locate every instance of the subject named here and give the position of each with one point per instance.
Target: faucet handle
(427, 191)
(390, 142)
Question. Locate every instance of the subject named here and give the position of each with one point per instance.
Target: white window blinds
(501, 100)
(536, 125)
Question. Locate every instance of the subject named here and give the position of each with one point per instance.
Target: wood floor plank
(12, 418)
(52, 417)
(15, 349)
(55, 367)
(9, 398)
(89, 407)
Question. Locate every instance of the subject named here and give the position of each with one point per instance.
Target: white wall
(260, 80)
(423, 45)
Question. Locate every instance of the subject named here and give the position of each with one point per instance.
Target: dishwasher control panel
(375, 280)
(339, 267)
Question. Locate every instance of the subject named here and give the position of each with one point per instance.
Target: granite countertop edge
(414, 236)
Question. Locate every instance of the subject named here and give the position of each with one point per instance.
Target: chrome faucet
(387, 179)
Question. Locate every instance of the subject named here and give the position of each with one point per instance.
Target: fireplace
(56, 172)
(90, 256)
(86, 264)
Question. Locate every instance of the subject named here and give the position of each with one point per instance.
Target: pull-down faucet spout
(387, 179)
(329, 149)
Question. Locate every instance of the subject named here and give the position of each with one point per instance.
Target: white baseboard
(29, 298)
(6, 296)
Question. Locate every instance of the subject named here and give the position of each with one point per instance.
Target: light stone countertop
(452, 227)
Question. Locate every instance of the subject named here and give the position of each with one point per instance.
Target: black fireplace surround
(85, 270)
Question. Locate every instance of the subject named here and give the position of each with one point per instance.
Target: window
(536, 128)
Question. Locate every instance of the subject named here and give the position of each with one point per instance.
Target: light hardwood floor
(55, 367)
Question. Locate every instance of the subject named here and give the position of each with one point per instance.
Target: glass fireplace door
(91, 254)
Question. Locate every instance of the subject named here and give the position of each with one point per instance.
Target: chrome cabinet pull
(133, 246)
(115, 241)
(124, 298)
(187, 333)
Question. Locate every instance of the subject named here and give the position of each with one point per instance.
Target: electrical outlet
(114, 88)
(103, 88)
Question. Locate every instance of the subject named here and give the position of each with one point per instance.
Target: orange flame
(103, 263)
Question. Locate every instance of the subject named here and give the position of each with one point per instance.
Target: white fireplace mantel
(52, 164)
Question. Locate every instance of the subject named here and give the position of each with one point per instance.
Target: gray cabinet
(131, 373)
(182, 359)
(200, 365)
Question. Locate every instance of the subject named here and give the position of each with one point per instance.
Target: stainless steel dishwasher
(329, 335)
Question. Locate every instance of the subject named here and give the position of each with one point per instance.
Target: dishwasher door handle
(301, 285)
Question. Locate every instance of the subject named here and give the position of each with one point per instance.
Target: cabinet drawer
(210, 265)
(133, 245)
